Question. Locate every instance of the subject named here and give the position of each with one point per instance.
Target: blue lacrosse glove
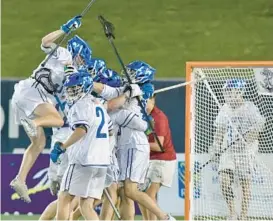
(56, 152)
(72, 24)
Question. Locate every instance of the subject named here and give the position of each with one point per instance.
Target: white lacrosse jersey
(237, 123)
(93, 149)
(59, 59)
(127, 135)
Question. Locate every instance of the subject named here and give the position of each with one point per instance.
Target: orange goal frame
(204, 64)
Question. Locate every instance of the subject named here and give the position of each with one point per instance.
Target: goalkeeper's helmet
(233, 91)
(139, 72)
(96, 66)
(77, 85)
(81, 52)
(108, 77)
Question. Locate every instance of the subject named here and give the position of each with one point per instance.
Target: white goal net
(231, 143)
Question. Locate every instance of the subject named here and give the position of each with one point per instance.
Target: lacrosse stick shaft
(138, 99)
(66, 35)
(177, 86)
(219, 154)
(112, 204)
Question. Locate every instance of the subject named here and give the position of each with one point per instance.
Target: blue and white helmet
(235, 83)
(108, 77)
(77, 85)
(139, 72)
(95, 66)
(81, 52)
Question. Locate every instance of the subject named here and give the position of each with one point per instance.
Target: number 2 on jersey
(100, 114)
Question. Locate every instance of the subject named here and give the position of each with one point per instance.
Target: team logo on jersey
(267, 82)
(196, 180)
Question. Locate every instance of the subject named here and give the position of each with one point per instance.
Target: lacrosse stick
(178, 85)
(109, 28)
(112, 204)
(66, 35)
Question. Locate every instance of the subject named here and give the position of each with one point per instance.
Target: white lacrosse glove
(54, 187)
(132, 90)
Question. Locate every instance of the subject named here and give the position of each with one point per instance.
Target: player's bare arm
(78, 133)
(155, 147)
(50, 38)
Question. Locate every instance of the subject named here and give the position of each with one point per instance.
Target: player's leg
(144, 212)
(127, 206)
(133, 193)
(50, 212)
(75, 213)
(136, 166)
(93, 191)
(87, 209)
(63, 206)
(152, 192)
(107, 210)
(245, 184)
(226, 180)
(160, 173)
(47, 116)
(31, 154)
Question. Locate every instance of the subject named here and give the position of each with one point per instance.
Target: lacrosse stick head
(108, 27)
(233, 91)
(51, 81)
(80, 50)
(139, 72)
(77, 85)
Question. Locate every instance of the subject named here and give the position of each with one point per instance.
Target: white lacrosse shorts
(84, 181)
(26, 98)
(161, 171)
(133, 164)
(241, 165)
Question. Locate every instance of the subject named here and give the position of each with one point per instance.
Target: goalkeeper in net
(238, 124)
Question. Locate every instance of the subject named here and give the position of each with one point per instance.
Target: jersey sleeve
(161, 126)
(109, 93)
(78, 116)
(256, 119)
(126, 118)
(61, 54)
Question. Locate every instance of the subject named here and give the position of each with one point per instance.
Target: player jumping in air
(89, 154)
(32, 102)
(133, 147)
(236, 139)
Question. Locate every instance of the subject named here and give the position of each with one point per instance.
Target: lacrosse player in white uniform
(32, 102)
(236, 141)
(133, 147)
(89, 154)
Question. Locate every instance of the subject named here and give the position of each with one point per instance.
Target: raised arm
(49, 39)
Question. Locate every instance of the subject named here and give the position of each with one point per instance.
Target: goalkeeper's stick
(67, 34)
(112, 204)
(108, 28)
(218, 155)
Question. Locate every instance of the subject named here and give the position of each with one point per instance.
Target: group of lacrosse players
(99, 142)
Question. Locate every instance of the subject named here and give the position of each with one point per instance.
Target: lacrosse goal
(243, 187)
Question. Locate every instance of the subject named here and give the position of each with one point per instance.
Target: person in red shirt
(162, 164)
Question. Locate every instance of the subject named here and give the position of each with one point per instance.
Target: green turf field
(36, 217)
(163, 33)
